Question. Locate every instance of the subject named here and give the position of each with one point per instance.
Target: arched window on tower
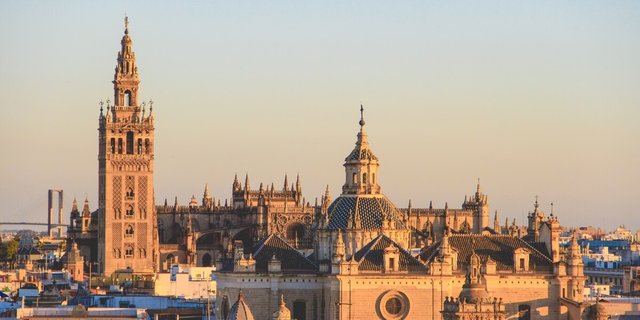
(147, 146)
(113, 145)
(355, 178)
(364, 178)
(127, 98)
(128, 251)
(128, 233)
(129, 213)
(130, 142)
(139, 146)
(120, 145)
(373, 178)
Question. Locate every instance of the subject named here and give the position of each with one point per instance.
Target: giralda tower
(127, 236)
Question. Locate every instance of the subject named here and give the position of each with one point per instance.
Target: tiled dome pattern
(372, 212)
(361, 154)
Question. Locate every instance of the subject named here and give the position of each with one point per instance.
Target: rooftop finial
(126, 24)
(535, 205)
(362, 116)
(478, 186)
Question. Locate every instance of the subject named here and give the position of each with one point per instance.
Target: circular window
(393, 305)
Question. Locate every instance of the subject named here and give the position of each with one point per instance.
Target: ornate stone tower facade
(127, 236)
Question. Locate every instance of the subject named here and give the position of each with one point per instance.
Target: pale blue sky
(535, 98)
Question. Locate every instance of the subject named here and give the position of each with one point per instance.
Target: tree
(9, 249)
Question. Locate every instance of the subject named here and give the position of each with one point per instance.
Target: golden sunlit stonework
(357, 256)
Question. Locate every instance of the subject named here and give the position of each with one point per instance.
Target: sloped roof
(499, 247)
(372, 211)
(370, 257)
(290, 258)
(28, 251)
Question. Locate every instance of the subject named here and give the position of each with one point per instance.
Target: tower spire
(361, 166)
(125, 81)
(362, 123)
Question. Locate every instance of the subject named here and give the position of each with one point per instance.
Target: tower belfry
(127, 216)
(361, 165)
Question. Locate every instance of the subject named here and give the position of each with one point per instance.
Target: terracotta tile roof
(291, 259)
(370, 257)
(499, 247)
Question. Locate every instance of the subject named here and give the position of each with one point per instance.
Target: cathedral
(357, 256)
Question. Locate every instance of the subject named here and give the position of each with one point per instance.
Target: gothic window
(139, 146)
(129, 142)
(128, 251)
(120, 145)
(355, 178)
(129, 212)
(142, 253)
(364, 178)
(373, 178)
(113, 145)
(127, 98)
(147, 146)
(128, 233)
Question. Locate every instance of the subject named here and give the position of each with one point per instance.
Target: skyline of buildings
(558, 146)
(346, 254)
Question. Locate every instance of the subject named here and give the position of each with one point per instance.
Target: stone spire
(327, 195)
(206, 193)
(85, 209)
(125, 81)
(74, 206)
(207, 200)
(361, 165)
(246, 183)
(236, 183)
(496, 224)
(338, 248)
(286, 182)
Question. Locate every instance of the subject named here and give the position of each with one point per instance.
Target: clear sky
(534, 97)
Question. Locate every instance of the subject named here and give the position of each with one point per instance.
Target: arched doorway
(206, 260)
(299, 310)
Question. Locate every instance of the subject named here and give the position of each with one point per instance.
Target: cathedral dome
(364, 212)
(473, 292)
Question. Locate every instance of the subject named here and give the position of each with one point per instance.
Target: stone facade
(127, 225)
(361, 267)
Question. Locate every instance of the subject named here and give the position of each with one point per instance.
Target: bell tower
(127, 236)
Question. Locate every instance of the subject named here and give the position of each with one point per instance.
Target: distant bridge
(33, 224)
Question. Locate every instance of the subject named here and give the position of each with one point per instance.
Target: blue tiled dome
(371, 211)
